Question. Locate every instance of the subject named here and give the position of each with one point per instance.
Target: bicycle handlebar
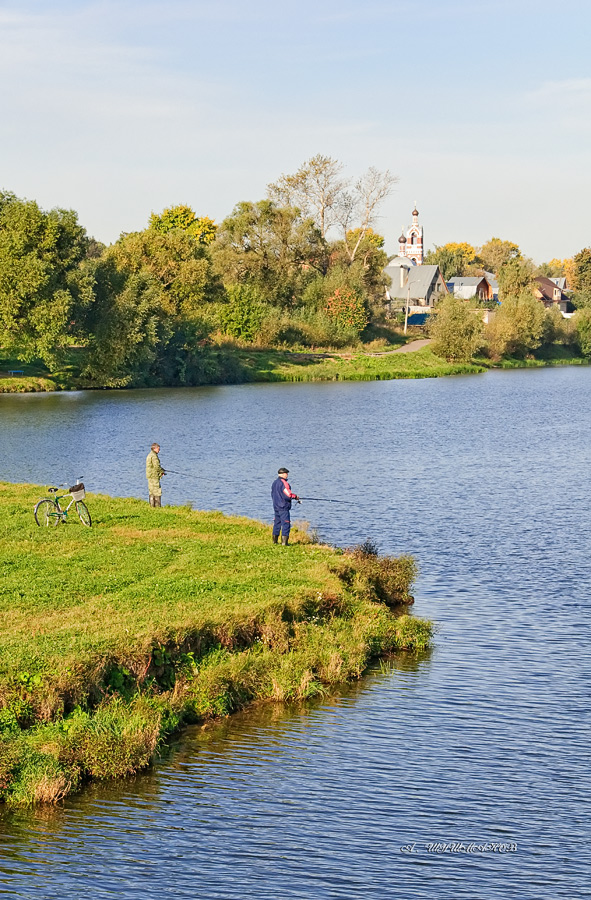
(66, 483)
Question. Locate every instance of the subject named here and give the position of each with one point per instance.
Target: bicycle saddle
(52, 490)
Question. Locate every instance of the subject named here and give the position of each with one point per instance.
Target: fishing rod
(199, 478)
(325, 500)
(182, 474)
(186, 475)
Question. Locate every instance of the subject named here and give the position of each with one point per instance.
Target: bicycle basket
(77, 492)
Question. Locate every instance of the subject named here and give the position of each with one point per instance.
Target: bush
(582, 326)
(518, 328)
(347, 307)
(244, 313)
(558, 330)
(384, 578)
(456, 330)
(305, 327)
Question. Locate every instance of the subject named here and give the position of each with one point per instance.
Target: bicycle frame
(63, 513)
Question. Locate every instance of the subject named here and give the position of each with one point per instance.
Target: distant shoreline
(254, 366)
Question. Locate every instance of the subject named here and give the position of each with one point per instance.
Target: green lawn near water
(70, 592)
(423, 363)
(113, 636)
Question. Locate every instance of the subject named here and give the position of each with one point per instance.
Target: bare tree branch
(316, 189)
(369, 193)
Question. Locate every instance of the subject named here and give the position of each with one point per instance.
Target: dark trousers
(281, 523)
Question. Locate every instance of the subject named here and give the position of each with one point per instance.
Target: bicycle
(48, 511)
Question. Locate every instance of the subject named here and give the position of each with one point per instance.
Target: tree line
(302, 266)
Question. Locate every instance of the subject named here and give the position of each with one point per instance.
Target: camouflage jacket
(153, 468)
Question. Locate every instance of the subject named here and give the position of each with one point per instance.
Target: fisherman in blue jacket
(282, 495)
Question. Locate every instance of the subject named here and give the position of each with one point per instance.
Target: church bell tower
(411, 245)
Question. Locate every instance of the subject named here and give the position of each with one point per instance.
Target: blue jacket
(280, 501)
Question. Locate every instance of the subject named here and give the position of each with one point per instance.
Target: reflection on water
(486, 739)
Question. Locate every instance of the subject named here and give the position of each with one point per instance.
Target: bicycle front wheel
(83, 514)
(46, 513)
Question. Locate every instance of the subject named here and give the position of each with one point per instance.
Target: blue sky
(483, 110)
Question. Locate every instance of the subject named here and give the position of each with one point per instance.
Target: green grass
(235, 365)
(239, 365)
(275, 366)
(554, 355)
(110, 637)
(35, 377)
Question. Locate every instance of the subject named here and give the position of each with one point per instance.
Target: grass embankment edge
(114, 637)
(242, 365)
(246, 365)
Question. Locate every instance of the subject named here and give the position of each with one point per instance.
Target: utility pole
(407, 305)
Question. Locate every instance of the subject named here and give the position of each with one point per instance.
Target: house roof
(560, 282)
(546, 287)
(471, 281)
(492, 281)
(420, 279)
(401, 261)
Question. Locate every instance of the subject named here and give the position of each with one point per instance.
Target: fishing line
(326, 500)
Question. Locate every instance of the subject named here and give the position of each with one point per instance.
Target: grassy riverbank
(112, 637)
(351, 367)
(239, 365)
(555, 355)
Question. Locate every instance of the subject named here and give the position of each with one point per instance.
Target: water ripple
(395, 787)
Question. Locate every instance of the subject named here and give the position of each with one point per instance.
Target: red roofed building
(551, 295)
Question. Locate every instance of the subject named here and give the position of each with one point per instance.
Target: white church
(411, 244)
(414, 284)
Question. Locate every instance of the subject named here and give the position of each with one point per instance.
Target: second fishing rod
(312, 499)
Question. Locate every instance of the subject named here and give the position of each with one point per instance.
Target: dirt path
(406, 348)
(413, 345)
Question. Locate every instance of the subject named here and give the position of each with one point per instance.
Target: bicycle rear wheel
(46, 513)
(83, 514)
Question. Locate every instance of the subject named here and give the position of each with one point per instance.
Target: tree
(454, 259)
(495, 253)
(41, 285)
(359, 210)
(456, 329)
(348, 309)
(272, 247)
(178, 262)
(364, 274)
(317, 189)
(134, 338)
(582, 278)
(518, 327)
(124, 325)
(556, 268)
(244, 312)
(152, 290)
(320, 192)
(183, 217)
(515, 276)
(582, 324)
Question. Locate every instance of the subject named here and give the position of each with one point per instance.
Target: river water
(460, 774)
